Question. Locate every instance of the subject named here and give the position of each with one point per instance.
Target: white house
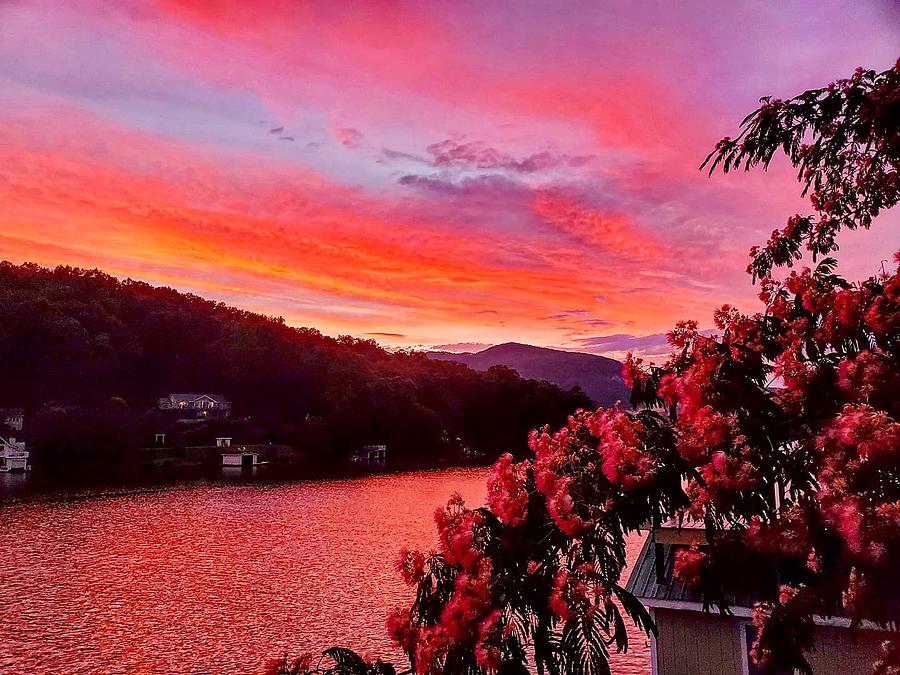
(197, 404)
(240, 459)
(373, 454)
(13, 455)
(693, 640)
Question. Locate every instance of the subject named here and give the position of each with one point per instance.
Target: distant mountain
(598, 376)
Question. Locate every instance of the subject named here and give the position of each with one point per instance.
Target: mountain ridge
(600, 377)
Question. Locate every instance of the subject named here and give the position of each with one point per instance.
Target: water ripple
(217, 579)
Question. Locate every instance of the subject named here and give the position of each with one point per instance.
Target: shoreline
(25, 489)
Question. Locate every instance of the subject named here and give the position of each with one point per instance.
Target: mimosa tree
(781, 435)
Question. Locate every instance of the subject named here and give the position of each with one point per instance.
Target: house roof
(218, 398)
(643, 584)
(675, 594)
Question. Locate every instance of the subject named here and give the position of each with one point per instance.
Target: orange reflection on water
(217, 579)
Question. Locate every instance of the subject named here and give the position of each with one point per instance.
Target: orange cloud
(612, 232)
(456, 174)
(290, 242)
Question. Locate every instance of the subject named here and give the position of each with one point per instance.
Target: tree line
(88, 355)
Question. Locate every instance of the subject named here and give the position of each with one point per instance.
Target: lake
(218, 578)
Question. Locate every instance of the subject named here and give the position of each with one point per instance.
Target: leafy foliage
(797, 485)
(844, 140)
(339, 661)
(535, 577)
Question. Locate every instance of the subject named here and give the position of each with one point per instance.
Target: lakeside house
(12, 418)
(199, 405)
(13, 455)
(240, 458)
(694, 641)
(371, 454)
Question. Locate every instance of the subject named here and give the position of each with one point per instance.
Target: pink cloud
(349, 137)
(612, 232)
(513, 167)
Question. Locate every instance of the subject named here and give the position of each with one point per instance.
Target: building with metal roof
(696, 640)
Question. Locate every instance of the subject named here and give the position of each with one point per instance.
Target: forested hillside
(88, 355)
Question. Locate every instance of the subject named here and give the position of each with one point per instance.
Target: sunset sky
(421, 173)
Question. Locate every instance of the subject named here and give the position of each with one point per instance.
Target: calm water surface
(215, 579)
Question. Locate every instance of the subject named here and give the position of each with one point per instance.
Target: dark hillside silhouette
(77, 344)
